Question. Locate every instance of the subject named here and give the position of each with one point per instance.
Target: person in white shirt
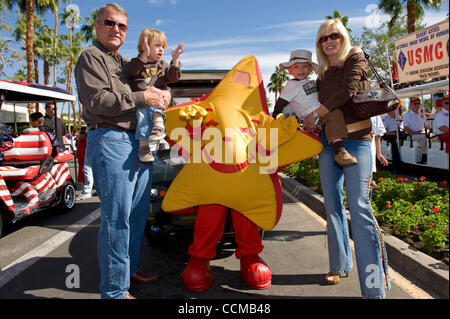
(390, 122)
(301, 95)
(378, 129)
(414, 123)
(440, 125)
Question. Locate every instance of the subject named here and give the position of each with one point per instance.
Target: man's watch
(314, 114)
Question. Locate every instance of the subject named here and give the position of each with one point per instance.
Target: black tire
(67, 197)
(1, 224)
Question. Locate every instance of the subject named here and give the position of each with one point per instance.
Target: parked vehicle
(160, 224)
(409, 153)
(34, 171)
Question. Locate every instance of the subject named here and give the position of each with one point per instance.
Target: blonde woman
(342, 72)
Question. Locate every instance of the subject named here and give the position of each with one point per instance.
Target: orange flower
(431, 224)
(388, 205)
(381, 179)
(410, 207)
(400, 179)
(422, 178)
(435, 209)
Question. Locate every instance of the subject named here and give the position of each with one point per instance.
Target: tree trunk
(80, 112)
(411, 18)
(56, 42)
(29, 44)
(46, 70)
(36, 70)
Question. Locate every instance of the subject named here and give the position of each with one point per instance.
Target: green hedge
(408, 206)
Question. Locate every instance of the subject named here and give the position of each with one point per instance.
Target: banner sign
(423, 54)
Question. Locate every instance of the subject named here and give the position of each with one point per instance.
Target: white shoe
(83, 196)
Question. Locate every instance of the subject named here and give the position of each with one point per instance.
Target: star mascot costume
(233, 149)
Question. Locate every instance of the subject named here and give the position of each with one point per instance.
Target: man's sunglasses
(110, 23)
(333, 36)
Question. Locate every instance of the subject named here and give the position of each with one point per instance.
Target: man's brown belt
(108, 125)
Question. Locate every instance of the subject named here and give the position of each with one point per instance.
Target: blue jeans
(123, 184)
(87, 171)
(145, 121)
(369, 247)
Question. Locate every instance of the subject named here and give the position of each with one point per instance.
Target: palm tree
(44, 49)
(414, 10)
(88, 29)
(276, 81)
(27, 6)
(72, 19)
(342, 17)
(44, 5)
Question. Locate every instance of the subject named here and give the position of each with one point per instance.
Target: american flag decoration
(39, 191)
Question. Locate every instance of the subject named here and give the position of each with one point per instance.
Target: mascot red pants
(208, 230)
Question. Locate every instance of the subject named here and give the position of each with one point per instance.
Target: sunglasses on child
(110, 23)
(333, 36)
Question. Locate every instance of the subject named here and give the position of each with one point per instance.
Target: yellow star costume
(233, 153)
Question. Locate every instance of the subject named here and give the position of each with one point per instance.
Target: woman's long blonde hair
(346, 45)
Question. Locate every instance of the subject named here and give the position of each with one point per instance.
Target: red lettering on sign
(419, 55)
(438, 53)
(411, 58)
(428, 53)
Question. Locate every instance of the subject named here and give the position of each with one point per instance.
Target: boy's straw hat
(300, 56)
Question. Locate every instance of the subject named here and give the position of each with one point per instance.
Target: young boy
(36, 123)
(149, 70)
(300, 93)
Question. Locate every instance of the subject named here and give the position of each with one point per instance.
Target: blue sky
(217, 34)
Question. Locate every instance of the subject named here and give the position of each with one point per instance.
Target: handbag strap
(374, 71)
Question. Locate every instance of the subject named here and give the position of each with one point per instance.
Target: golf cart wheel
(67, 200)
(1, 224)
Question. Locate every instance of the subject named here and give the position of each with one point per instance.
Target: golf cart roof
(424, 89)
(22, 92)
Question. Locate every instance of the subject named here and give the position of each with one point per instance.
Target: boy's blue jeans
(145, 121)
(123, 184)
(369, 247)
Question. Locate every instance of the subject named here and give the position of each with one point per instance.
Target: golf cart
(34, 171)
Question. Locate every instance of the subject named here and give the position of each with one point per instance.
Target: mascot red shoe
(233, 149)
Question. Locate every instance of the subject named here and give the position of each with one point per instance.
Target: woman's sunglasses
(333, 36)
(110, 23)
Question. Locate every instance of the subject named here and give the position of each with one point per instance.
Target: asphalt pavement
(54, 256)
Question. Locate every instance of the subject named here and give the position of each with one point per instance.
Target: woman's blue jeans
(369, 247)
(123, 184)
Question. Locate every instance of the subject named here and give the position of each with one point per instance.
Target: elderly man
(440, 124)
(414, 124)
(123, 183)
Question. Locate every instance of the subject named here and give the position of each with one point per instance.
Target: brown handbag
(373, 102)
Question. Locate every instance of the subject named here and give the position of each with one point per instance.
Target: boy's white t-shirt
(302, 96)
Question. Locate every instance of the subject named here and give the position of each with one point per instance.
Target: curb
(425, 269)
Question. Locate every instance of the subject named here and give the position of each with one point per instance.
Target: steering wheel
(9, 142)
